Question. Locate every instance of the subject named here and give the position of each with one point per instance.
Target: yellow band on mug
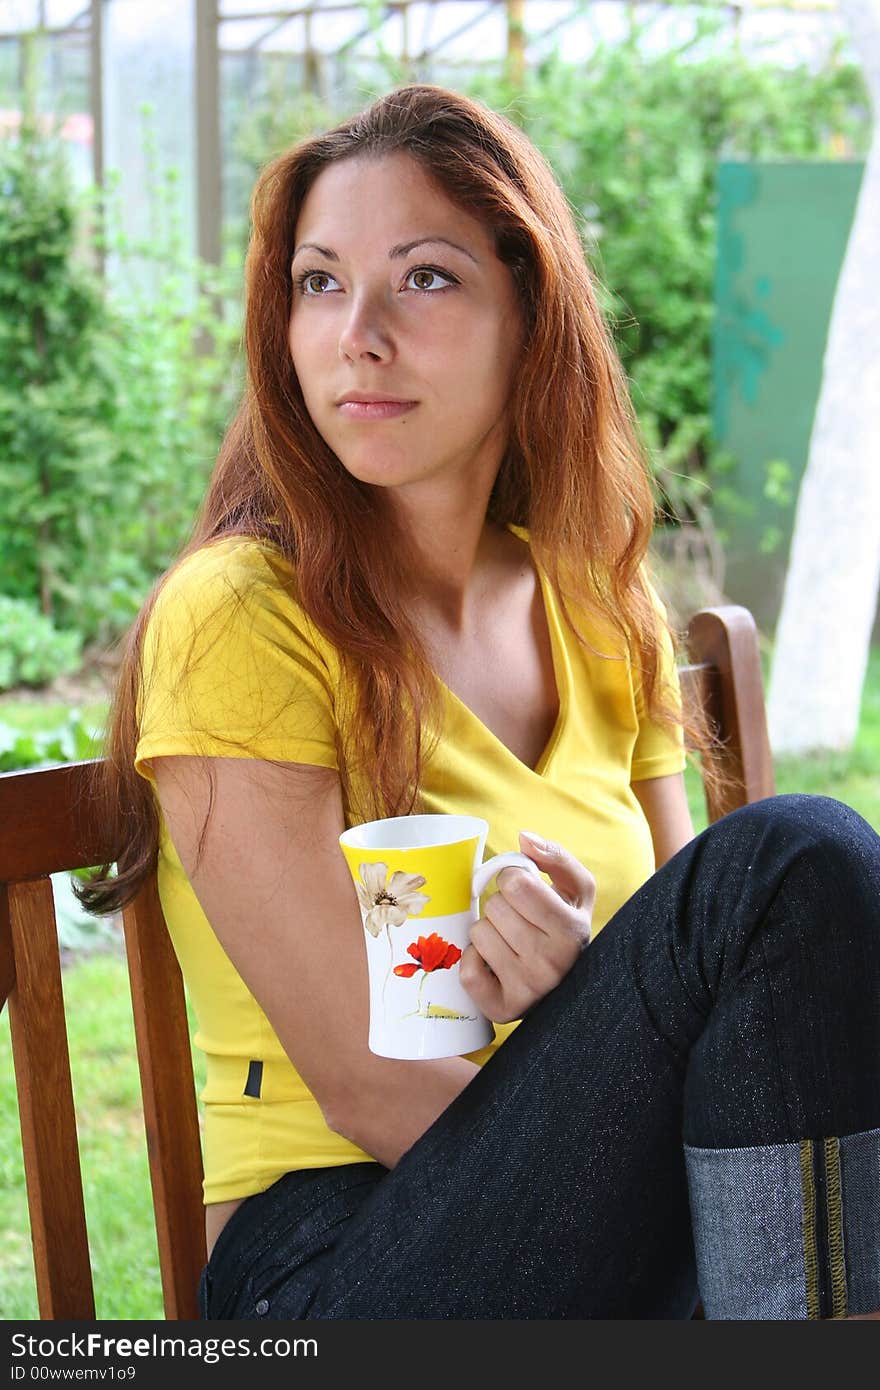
(447, 871)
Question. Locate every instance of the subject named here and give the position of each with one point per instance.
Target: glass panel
(150, 119)
(61, 13)
(16, 15)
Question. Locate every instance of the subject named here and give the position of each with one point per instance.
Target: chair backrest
(725, 681)
(48, 825)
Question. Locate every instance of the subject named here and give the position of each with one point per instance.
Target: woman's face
(405, 326)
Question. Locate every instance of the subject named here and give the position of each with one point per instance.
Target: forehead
(384, 198)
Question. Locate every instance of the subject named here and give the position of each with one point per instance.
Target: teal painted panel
(782, 234)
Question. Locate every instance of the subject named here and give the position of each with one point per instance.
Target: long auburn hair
(574, 472)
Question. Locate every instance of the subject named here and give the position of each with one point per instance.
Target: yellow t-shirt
(262, 682)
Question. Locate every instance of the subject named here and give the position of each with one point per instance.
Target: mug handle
(486, 872)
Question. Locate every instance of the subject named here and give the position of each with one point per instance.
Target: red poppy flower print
(431, 953)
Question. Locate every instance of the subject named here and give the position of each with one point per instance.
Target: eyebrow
(396, 252)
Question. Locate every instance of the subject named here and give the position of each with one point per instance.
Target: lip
(373, 406)
(372, 397)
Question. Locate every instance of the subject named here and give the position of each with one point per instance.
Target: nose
(365, 332)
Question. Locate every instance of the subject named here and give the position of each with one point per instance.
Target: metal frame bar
(209, 177)
(456, 33)
(339, 6)
(79, 24)
(96, 86)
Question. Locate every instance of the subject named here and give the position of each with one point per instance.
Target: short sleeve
(659, 748)
(232, 666)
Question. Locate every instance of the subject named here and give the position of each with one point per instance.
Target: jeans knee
(822, 821)
(823, 815)
(828, 848)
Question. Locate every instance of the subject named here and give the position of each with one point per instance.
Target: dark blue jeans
(694, 1111)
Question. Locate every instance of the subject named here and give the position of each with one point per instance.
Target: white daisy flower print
(388, 902)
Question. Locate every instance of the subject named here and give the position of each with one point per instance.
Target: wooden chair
(47, 826)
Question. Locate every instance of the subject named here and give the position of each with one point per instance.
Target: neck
(451, 550)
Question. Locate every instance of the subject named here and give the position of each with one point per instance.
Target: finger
(516, 929)
(499, 979)
(550, 939)
(472, 967)
(482, 984)
(495, 952)
(572, 880)
(536, 902)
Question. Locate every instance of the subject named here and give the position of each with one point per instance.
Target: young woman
(419, 584)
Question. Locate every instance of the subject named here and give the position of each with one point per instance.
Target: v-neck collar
(561, 676)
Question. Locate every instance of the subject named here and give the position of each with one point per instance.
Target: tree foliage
(110, 416)
(32, 651)
(57, 388)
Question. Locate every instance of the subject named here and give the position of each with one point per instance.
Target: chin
(380, 471)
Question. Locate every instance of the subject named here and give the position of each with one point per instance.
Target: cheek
(485, 367)
(306, 358)
(293, 348)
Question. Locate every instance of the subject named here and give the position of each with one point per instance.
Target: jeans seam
(836, 1252)
(256, 1251)
(777, 1043)
(809, 1237)
(268, 1282)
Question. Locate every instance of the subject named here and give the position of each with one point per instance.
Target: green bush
(71, 741)
(179, 379)
(111, 408)
(56, 389)
(32, 651)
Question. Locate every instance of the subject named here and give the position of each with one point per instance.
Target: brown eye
(426, 279)
(315, 282)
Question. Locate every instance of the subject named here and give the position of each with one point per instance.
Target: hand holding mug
(531, 933)
(418, 881)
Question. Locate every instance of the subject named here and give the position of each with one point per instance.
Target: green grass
(35, 718)
(112, 1143)
(113, 1152)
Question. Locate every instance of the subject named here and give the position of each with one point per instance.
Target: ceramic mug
(419, 880)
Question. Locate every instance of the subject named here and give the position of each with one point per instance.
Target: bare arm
(273, 883)
(664, 802)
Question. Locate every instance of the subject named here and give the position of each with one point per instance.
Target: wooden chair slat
(726, 640)
(700, 688)
(170, 1107)
(49, 823)
(46, 1108)
(7, 954)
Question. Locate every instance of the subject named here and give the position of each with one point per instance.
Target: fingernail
(533, 839)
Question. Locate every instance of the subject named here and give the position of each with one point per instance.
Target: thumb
(571, 879)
